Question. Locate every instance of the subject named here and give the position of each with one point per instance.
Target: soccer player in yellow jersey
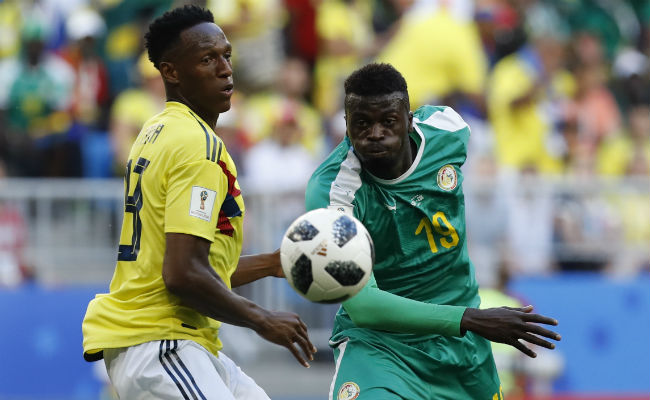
(179, 250)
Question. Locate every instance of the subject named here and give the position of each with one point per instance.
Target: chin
(223, 107)
(377, 161)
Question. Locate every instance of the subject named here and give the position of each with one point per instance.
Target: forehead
(393, 102)
(203, 36)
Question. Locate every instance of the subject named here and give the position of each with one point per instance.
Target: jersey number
(439, 223)
(133, 205)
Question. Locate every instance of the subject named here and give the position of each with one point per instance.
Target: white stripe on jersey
(346, 183)
(341, 349)
(448, 120)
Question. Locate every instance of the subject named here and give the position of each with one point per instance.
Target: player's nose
(224, 68)
(376, 132)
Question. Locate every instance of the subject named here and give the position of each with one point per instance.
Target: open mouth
(228, 89)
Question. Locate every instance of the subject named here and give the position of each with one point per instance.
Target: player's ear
(168, 72)
(410, 121)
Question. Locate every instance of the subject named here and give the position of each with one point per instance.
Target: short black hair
(165, 30)
(376, 79)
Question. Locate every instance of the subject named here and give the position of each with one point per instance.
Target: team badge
(447, 178)
(201, 202)
(349, 391)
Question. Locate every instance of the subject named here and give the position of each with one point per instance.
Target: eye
(206, 59)
(227, 56)
(390, 121)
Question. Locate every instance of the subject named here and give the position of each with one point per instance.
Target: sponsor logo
(349, 391)
(341, 208)
(202, 202)
(320, 249)
(447, 178)
(416, 200)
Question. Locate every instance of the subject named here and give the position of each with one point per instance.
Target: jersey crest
(447, 178)
(349, 391)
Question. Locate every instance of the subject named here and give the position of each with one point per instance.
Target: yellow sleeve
(195, 194)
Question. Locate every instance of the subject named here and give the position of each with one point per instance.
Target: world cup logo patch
(348, 391)
(204, 197)
(447, 178)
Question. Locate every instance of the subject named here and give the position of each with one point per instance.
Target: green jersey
(417, 221)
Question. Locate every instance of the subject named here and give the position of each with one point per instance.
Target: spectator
(90, 95)
(628, 152)
(10, 22)
(254, 28)
(593, 107)
(526, 99)
(125, 25)
(131, 110)
(344, 36)
(35, 92)
(300, 30)
(261, 111)
(451, 63)
(262, 168)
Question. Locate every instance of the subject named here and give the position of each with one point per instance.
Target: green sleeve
(374, 308)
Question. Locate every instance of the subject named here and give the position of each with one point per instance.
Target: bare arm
(510, 325)
(252, 268)
(187, 274)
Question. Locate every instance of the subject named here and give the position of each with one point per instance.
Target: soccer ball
(327, 256)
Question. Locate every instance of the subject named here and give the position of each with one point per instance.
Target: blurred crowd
(550, 88)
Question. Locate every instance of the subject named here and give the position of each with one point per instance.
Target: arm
(374, 308)
(187, 274)
(252, 268)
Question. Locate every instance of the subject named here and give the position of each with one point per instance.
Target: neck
(210, 118)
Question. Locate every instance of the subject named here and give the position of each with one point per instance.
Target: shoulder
(439, 117)
(341, 171)
(329, 168)
(183, 135)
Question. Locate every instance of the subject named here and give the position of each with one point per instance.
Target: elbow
(175, 282)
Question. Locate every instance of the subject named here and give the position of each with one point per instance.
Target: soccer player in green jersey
(179, 252)
(415, 331)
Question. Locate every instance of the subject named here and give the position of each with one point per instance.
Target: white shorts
(177, 370)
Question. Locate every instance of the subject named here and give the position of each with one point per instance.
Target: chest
(423, 214)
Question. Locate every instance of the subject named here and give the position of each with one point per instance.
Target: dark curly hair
(375, 80)
(165, 30)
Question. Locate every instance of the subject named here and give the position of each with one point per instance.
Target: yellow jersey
(180, 179)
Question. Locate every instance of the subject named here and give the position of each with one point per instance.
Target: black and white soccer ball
(327, 256)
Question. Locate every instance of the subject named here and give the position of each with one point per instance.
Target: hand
(286, 329)
(509, 325)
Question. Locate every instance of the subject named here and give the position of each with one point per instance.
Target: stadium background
(557, 94)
